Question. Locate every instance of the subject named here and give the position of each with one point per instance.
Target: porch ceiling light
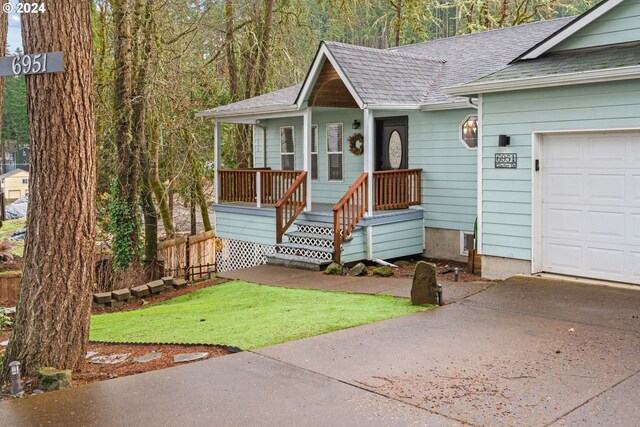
(356, 124)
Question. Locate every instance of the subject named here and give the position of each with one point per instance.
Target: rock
(10, 310)
(90, 354)
(37, 391)
(4, 343)
(148, 357)
(334, 269)
(132, 299)
(425, 284)
(383, 271)
(179, 283)
(111, 359)
(140, 291)
(96, 305)
(50, 379)
(189, 357)
(121, 294)
(359, 270)
(168, 281)
(156, 286)
(102, 297)
(402, 263)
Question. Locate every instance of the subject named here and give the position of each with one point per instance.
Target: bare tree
(52, 318)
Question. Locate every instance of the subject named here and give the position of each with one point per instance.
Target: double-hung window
(287, 148)
(314, 152)
(334, 151)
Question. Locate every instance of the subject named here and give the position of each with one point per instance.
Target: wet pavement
(523, 352)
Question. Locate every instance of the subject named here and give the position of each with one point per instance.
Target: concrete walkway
(304, 279)
(523, 352)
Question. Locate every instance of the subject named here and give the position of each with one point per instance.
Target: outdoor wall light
(504, 140)
(14, 372)
(356, 124)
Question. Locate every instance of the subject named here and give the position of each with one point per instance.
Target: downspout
(471, 104)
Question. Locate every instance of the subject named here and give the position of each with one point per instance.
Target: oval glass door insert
(395, 150)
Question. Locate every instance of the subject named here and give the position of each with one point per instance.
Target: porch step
(307, 251)
(311, 239)
(296, 261)
(314, 227)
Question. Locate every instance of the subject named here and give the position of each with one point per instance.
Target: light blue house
(569, 200)
(431, 116)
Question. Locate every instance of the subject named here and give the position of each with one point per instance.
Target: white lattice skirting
(237, 254)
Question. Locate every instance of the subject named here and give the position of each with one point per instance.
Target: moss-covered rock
(358, 270)
(402, 263)
(334, 268)
(50, 379)
(383, 271)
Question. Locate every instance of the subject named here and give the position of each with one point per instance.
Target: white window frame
(315, 132)
(293, 153)
(461, 126)
(463, 233)
(329, 153)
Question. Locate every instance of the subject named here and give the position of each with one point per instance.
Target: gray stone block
(114, 303)
(102, 297)
(96, 305)
(189, 357)
(121, 294)
(132, 299)
(140, 291)
(156, 286)
(168, 281)
(179, 283)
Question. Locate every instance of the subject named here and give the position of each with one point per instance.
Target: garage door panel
(591, 205)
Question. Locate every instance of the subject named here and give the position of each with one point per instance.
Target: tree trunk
(52, 319)
(202, 203)
(127, 152)
(4, 26)
(156, 185)
(398, 21)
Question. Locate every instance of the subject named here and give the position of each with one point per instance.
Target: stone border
(119, 297)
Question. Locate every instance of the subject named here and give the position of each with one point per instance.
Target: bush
(4, 318)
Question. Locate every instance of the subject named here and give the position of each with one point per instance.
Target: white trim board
(570, 29)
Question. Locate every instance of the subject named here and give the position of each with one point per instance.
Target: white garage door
(591, 205)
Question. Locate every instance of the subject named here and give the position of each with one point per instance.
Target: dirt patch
(445, 269)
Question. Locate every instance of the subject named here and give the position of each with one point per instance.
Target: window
(25, 181)
(314, 152)
(334, 151)
(287, 148)
(469, 132)
(467, 240)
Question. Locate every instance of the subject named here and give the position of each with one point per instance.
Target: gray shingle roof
(387, 77)
(416, 74)
(569, 62)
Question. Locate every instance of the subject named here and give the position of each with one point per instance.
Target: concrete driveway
(524, 352)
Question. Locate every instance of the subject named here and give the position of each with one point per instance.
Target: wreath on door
(356, 144)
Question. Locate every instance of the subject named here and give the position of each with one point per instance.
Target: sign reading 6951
(35, 63)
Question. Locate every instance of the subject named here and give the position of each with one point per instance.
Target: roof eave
(568, 30)
(248, 112)
(583, 77)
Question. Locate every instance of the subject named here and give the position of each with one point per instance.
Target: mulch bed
(445, 269)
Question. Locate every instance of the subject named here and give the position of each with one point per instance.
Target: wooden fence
(192, 257)
(9, 287)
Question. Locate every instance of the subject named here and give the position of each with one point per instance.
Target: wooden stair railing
(397, 189)
(291, 204)
(348, 211)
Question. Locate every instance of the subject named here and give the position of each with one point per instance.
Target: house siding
(619, 25)
(251, 225)
(506, 193)
(449, 172)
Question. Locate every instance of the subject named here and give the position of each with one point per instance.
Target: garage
(590, 205)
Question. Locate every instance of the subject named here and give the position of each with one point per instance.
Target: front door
(392, 145)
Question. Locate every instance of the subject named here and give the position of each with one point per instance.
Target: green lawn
(247, 316)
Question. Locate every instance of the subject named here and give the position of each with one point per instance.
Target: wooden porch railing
(348, 211)
(244, 185)
(289, 206)
(396, 189)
